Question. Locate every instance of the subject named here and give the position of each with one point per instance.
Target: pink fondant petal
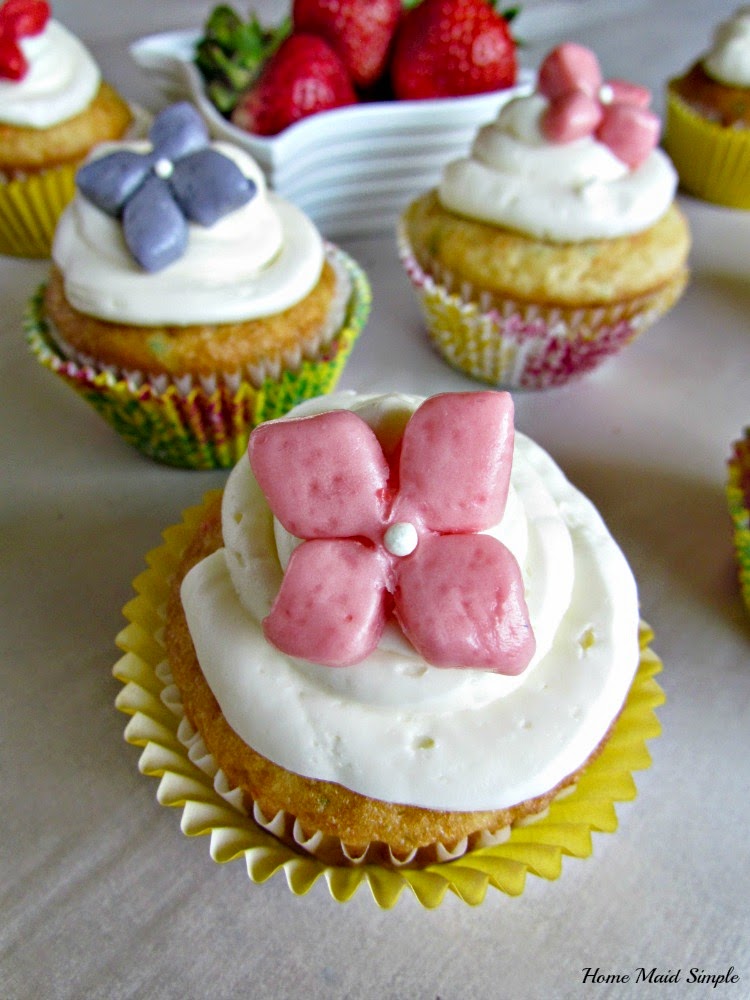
(571, 116)
(624, 92)
(460, 601)
(569, 67)
(455, 462)
(330, 608)
(324, 476)
(630, 132)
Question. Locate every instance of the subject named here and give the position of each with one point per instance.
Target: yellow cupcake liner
(204, 425)
(30, 208)
(514, 344)
(713, 161)
(738, 499)
(536, 848)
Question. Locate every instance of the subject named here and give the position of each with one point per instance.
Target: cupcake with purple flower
(186, 302)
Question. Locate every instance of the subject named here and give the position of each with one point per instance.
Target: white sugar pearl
(163, 168)
(401, 538)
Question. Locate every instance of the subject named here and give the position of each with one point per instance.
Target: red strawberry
(360, 31)
(447, 48)
(20, 18)
(302, 77)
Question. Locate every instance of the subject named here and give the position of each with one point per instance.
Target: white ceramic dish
(353, 169)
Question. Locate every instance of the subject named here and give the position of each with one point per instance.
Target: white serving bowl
(352, 169)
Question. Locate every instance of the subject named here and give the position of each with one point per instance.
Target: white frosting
(515, 178)
(61, 81)
(728, 60)
(393, 727)
(256, 261)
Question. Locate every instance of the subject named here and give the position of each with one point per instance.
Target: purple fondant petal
(110, 180)
(177, 131)
(153, 226)
(207, 186)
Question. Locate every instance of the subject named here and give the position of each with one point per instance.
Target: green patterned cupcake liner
(203, 427)
(738, 498)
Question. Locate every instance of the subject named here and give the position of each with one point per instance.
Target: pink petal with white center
(324, 476)
(630, 132)
(330, 608)
(569, 67)
(460, 601)
(456, 457)
(571, 116)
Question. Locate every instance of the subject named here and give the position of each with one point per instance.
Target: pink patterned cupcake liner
(521, 345)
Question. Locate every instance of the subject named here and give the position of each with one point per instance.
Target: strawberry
(448, 48)
(232, 52)
(360, 31)
(302, 77)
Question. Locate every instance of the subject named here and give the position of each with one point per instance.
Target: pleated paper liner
(713, 161)
(30, 208)
(190, 781)
(738, 498)
(203, 425)
(519, 345)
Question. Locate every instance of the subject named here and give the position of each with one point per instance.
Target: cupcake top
(46, 74)
(180, 230)
(575, 160)
(728, 59)
(484, 622)
(716, 85)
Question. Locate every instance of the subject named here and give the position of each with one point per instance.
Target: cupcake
(187, 303)
(556, 241)
(54, 108)
(738, 497)
(707, 130)
(399, 638)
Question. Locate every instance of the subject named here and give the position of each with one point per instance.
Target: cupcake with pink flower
(556, 240)
(396, 639)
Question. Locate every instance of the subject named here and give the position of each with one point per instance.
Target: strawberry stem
(232, 52)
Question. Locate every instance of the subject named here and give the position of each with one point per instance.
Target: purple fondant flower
(156, 194)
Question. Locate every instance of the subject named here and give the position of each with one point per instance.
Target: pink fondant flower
(581, 104)
(19, 19)
(397, 535)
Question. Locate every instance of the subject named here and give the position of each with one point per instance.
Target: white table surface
(100, 893)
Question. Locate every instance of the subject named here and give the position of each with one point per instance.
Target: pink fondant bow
(19, 19)
(581, 104)
(399, 536)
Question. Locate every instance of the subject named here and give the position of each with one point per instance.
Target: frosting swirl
(61, 81)
(392, 726)
(728, 60)
(514, 177)
(258, 260)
